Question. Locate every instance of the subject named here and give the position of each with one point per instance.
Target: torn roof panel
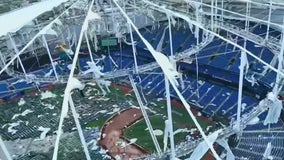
(13, 21)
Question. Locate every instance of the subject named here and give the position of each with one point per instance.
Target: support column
(212, 15)
(243, 63)
(133, 48)
(89, 47)
(78, 125)
(170, 120)
(197, 44)
(247, 15)
(216, 10)
(277, 86)
(35, 54)
(222, 12)
(50, 57)
(240, 90)
(269, 18)
(170, 34)
(145, 115)
(3, 63)
(4, 149)
(64, 109)
(17, 51)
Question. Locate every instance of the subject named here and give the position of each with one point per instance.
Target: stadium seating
(252, 145)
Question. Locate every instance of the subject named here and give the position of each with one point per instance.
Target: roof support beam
(133, 47)
(269, 18)
(236, 14)
(278, 85)
(42, 31)
(69, 86)
(173, 83)
(17, 51)
(89, 47)
(4, 149)
(170, 119)
(145, 115)
(50, 57)
(182, 16)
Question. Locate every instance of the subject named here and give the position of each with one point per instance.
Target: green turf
(180, 116)
(181, 119)
(98, 123)
(117, 95)
(139, 131)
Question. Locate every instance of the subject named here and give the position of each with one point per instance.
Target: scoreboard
(109, 42)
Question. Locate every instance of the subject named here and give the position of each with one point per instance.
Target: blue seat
(233, 97)
(3, 89)
(216, 101)
(206, 98)
(22, 85)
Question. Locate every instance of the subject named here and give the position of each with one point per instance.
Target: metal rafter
(180, 15)
(145, 115)
(187, 106)
(42, 31)
(67, 93)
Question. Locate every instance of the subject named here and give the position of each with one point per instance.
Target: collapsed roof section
(13, 21)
